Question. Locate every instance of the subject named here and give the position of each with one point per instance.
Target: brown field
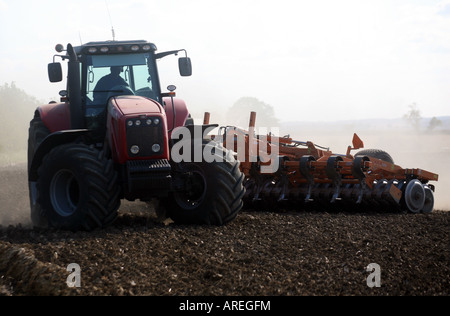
(260, 253)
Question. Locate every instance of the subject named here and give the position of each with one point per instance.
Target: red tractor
(111, 138)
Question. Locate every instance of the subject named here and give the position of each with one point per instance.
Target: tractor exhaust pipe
(74, 87)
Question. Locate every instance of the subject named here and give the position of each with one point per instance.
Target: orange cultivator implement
(306, 174)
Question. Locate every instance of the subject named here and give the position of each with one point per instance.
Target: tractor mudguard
(50, 142)
(55, 116)
(181, 113)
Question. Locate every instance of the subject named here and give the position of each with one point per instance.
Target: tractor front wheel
(76, 189)
(212, 192)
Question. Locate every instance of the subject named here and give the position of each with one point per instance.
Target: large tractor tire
(376, 153)
(213, 191)
(36, 134)
(76, 189)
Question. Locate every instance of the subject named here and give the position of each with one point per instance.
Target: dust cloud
(14, 201)
(16, 110)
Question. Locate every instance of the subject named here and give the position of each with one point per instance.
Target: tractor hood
(139, 122)
(134, 105)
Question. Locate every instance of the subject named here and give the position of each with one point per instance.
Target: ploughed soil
(260, 253)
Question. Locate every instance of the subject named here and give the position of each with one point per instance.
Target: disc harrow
(311, 176)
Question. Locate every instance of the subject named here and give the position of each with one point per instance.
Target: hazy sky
(310, 60)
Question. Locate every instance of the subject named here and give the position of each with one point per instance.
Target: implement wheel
(376, 153)
(414, 196)
(429, 200)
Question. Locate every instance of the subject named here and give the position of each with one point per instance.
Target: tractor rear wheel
(36, 134)
(76, 189)
(376, 153)
(212, 192)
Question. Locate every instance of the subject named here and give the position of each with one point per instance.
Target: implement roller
(308, 175)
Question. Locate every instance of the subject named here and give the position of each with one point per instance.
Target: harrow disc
(415, 196)
(429, 200)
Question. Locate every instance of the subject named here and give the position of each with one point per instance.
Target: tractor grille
(145, 136)
(148, 178)
(150, 166)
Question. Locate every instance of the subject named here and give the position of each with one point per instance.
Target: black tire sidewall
(376, 153)
(36, 134)
(209, 211)
(53, 164)
(199, 214)
(98, 198)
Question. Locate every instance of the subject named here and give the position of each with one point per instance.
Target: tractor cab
(101, 70)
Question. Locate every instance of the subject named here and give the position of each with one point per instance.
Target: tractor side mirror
(54, 72)
(185, 66)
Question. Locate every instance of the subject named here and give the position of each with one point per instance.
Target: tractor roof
(115, 47)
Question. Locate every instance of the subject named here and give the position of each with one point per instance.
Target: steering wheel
(119, 91)
(146, 92)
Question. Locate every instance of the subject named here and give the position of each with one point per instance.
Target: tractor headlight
(135, 149)
(156, 148)
(149, 122)
(156, 121)
(138, 123)
(130, 123)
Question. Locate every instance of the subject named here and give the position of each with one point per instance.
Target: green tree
(434, 123)
(239, 113)
(413, 116)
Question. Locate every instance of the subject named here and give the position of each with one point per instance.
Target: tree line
(16, 110)
(414, 119)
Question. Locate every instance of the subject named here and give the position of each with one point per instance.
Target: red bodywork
(120, 109)
(181, 112)
(123, 108)
(56, 116)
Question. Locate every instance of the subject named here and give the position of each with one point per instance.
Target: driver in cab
(107, 83)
